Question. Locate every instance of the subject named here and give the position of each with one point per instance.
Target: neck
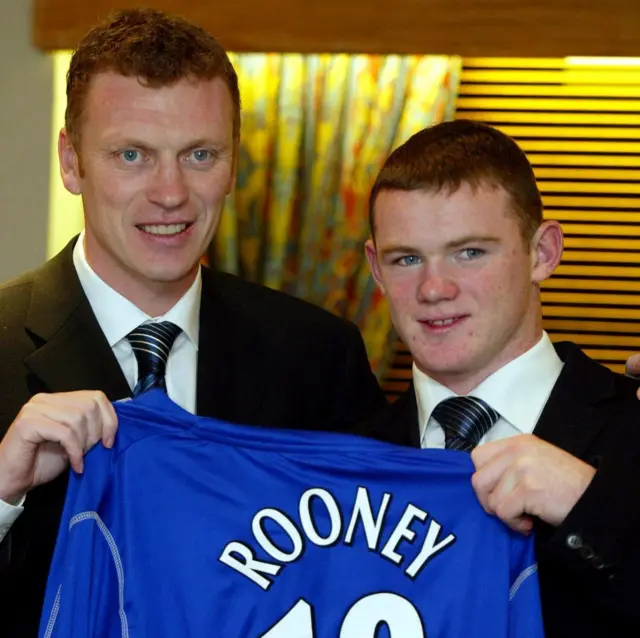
(464, 382)
(154, 298)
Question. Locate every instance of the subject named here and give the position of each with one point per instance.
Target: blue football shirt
(193, 527)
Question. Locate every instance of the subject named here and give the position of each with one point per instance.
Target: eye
(202, 155)
(409, 260)
(131, 155)
(471, 253)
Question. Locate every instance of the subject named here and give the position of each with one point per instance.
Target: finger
(499, 496)
(94, 416)
(85, 411)
(88, 413)
(483, 454)
(633, 366)
(108, 418)
(487, 478)
(522, 524)
(508, 500)
(49, 431)
(73, 412)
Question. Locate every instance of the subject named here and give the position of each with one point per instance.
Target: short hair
(157, 48)
(448, 155)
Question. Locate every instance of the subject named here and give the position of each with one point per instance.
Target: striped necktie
(465, 420)
(151, 343)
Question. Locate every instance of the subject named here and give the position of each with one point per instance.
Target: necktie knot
(465, 420)
(152, 343)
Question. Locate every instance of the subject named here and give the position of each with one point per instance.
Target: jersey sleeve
(525, 610)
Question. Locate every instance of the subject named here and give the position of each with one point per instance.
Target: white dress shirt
(518, 392)
(117, 317)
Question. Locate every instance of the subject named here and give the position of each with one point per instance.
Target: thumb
(633, 365)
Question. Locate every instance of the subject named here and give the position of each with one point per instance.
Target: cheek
(496, 287)
(113, 206)
(400, 292)
(113, 190)
(211, 188)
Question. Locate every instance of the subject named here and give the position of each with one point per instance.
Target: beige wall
(25, 130)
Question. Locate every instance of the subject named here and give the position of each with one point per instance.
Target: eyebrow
(219, 146)
(473, 239)
(456, 243)
(391, 250)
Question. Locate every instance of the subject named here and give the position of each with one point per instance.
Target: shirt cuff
(9, 515)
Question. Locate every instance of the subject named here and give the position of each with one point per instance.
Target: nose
(436, 286)
(168, 187)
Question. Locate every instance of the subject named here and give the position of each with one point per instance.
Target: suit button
(574, 541)
(597, 562)
(586, 552)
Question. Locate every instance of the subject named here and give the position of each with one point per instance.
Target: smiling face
(461, 281)
(153, 168)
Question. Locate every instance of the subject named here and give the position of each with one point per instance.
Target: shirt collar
(518, 391)
(117, 316)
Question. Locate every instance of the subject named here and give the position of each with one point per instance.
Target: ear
(546, 250)
(234, 166)
(372, 258)
(69, 164)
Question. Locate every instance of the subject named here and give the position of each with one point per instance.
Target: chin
(442, 366)
(167, 276)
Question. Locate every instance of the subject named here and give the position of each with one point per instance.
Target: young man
(150, 143)
(459, 246)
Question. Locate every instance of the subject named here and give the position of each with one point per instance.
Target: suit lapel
(230, 359)
(398, 423)
(73, 353)
(577, 409)
(213, 397)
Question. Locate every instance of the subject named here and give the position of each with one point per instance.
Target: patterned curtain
(315, 131)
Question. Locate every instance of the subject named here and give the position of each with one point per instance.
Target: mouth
(165, 230)
(442, 325)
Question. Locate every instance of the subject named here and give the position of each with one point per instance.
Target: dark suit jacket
(588, 566)
(264, 358)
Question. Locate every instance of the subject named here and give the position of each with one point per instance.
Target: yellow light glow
(65, 210)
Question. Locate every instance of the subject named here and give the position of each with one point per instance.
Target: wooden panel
(580, 173)
(594, 216)
(597, 329)
(558, 132)
(558, 283)
(471, 101)
(532, 117)
(561, 311)
(552, 91)
(561, 75)
(462, 27)
(618, 230)
(603, 244)
(599, 270)
(600, 257)
(579, 146)
(590, 187)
